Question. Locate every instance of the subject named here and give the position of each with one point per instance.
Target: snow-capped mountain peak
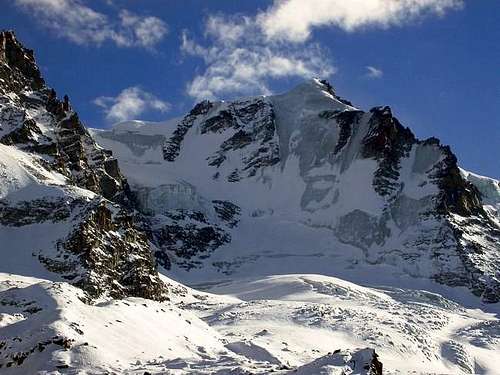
(354, 185)
(317, 238)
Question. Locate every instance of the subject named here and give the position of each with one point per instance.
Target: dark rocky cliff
(103, 251)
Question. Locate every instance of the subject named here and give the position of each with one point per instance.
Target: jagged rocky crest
(253, 128)
(35, 120)
(100, 248)
(108, 255)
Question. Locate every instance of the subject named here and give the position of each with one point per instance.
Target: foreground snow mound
(355, 362)
(304, 324)
(46, 326)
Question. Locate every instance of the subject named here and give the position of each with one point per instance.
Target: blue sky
(435, 62)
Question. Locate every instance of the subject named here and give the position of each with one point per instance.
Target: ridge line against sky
(227, 50)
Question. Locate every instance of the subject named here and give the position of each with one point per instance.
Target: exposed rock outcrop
(249, 131)
(186, 238)
(107, 254)
(60, 180)
(35, 120)
(356, 361)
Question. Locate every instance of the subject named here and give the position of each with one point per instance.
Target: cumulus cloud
(239, 61)
(146, 31)
(130, 103)
(293, 20)
(77, 22)
(373, 72)
(242, 55)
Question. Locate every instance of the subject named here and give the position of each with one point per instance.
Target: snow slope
(46, 327)
(280, 324)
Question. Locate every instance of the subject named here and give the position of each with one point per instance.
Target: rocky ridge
(101, 250)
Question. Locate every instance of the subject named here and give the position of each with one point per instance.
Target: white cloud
(243, 54)
(228, 30)
(373, 72)
(130, 103)
(240, 61)
(147, 31)
(73, 20)
(293, 20)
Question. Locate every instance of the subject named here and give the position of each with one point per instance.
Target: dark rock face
(475, 232)
(387, 141)
(228, 212)
(458, 195)
(184, 237)
(360, 229)
(107, 254)
(457, 226)
(82, 160)
(103, 252)
(331, 91)
(187, 237)
(218, 123)
(345, 120)
(34, 211)
(18, 68)
(172, 147)
(375, 366)
(250, 127)
(255, 128)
